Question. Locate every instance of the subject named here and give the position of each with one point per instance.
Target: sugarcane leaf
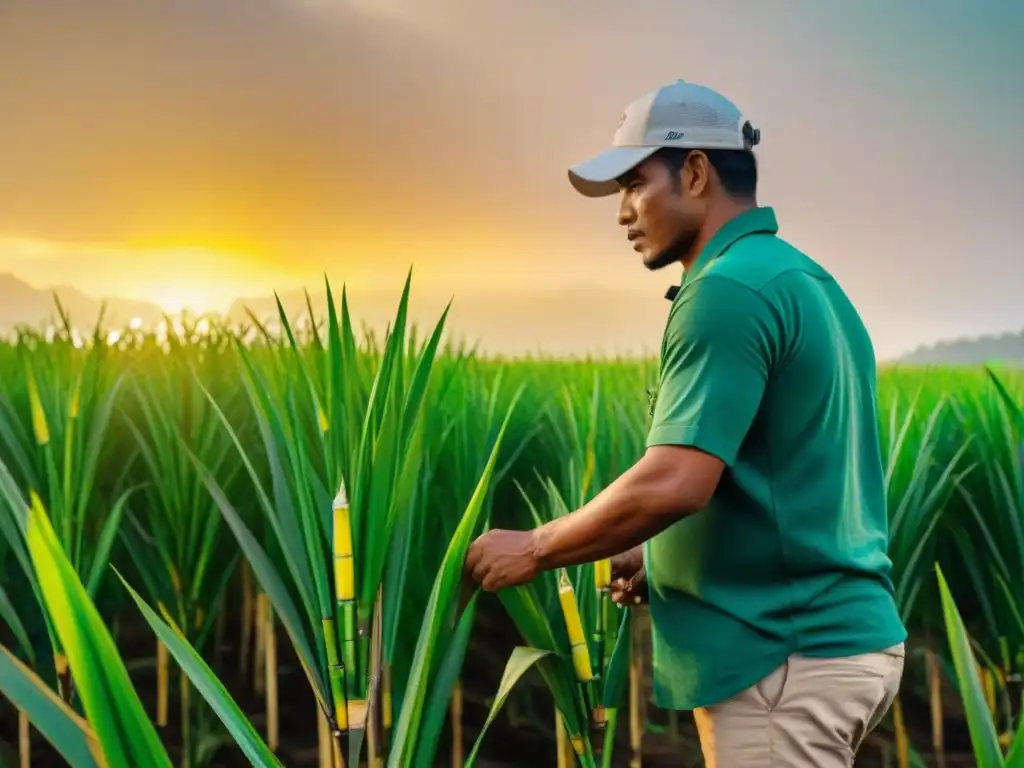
(271, 583)
(396, 575)
(1015, 409)
(525, 609)
(105, 542)
(62, 727)
(286, 530)
(207, 683)
(1015, 754)
(614, 688)
(519, 663)
(11, 618)
(446, 586)
(985, 740)
(436, 711)
(110, 702)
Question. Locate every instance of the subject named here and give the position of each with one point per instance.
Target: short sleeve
(716, 355)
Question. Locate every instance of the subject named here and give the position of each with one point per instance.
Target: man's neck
(718, 216)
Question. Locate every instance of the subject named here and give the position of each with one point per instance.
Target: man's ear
(696, 173)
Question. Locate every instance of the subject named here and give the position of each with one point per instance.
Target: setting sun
(199, 280)
(176, 299)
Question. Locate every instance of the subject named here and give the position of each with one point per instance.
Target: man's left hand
(500, 559)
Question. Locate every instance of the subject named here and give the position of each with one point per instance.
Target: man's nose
(626, 215)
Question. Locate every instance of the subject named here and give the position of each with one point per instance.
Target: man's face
(663, 215)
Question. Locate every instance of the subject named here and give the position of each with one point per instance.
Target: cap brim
(597, 176)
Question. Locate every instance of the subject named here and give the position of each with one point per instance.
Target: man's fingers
(475, 565)
(472, 556)
(620, 591)
(492, 582)
(627, 591)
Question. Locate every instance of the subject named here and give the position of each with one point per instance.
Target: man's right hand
(626, 565)
(629, 579)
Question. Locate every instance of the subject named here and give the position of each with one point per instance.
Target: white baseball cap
(682, 115)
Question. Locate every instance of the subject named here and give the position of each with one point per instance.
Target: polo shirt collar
(756, 220)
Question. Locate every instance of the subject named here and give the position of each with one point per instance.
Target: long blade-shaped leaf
(987, 751)
(519, 663)
(69, 734)
(11, 618)
(614, 692)
(447, 673)
(207, 683)
(113, 708)
(1015, 754)
(446, 586)
(271, 582)
(101, 555)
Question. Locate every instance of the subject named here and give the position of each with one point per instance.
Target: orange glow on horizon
(204, 278)
(198, 279)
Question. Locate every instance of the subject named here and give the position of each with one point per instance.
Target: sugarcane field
(206, 530)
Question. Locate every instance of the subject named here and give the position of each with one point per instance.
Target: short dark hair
(736, 168)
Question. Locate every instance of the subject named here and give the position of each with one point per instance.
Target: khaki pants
(808, 713)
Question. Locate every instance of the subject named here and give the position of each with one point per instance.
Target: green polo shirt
(766, 364)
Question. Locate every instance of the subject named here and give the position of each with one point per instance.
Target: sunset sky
(195, 151)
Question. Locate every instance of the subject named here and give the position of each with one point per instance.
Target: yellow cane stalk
(345, 596)
(574, 625)
(603, 574)
(344, 566)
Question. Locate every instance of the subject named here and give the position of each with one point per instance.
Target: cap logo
(621, 121)
(673, 136)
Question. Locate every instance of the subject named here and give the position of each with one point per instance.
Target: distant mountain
(21, 304)
(1002, 348)
(556, 319)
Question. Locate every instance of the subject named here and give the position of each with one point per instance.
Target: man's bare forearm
(639, 504)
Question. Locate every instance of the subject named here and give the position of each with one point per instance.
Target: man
(759, 506)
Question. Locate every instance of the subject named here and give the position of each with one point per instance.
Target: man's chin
(675, 253)
(660, 260)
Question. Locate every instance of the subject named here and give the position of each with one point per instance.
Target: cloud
(245, 125)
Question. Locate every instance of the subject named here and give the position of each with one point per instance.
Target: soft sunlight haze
(190, 153)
